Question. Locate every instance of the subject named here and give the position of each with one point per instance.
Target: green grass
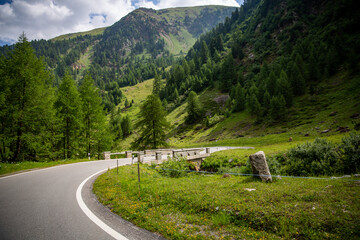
(9, 168)
(212, 207)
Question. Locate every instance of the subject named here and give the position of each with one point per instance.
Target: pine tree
(193, 108)
(26, 98)
(165, 104)
(297, 80)
(254, 105)
(126, 104)
(277, 107)
(204, 52)
(69, 111)
(284, 89)
(228, 73)
(157, 85)
(93, 114)
(271, 83)
(115, 125)
(239, 98)
(126, 125)
(266, 103)
(152, 124)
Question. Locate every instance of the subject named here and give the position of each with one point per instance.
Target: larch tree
(69, 112)
(93, 113)
(157, 84)
(194, 109)
(26, 100)
(153, 125)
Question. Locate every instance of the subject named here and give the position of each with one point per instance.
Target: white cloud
(50, 18)
(185, 3)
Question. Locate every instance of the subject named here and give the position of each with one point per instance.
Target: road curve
(58, 203)
(42, 204)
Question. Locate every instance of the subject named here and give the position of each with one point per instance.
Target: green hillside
(130, 51)
(289, 87)
(335, 108)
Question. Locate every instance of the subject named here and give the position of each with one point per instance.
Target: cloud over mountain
(50, 18)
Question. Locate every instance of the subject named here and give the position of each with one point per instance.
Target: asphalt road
(42, 204)
(58, 203)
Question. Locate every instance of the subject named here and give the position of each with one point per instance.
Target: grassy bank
(212, 207)
(9, 168)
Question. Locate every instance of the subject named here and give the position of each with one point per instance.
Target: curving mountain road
(43, 204)
(58, 203)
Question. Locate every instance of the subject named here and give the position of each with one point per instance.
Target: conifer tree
(69, 112)
(156, 84)
(297, 80)
(277, 107)
(26, 100)
(126, 104)
(126, 125)
(165, 104)
(284, 89)
(204, 52)
(194, 109)
(271, 83)
(93, 114)
(152, 124)
(239, 98)
(266, 103)
(228, 74)
(115, 125)
(254, 105)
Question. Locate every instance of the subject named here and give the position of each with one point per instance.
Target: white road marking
(91, 215)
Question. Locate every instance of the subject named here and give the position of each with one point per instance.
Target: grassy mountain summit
(150, 31)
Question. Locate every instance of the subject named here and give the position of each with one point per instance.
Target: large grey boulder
(260, 167)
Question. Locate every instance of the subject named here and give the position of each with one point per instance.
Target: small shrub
(350, 154)
(316, 158)
(274, 163)
(174, 167)
(215, 162)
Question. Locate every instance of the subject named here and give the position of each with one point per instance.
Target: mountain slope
(156, 31)
(284, 67)
(130, 51)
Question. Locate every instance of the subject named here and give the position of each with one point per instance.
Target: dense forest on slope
(269, 52)
(130, 51)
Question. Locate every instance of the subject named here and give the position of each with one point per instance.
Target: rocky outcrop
(260, 167)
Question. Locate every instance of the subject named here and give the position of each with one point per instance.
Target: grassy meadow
(206, 206)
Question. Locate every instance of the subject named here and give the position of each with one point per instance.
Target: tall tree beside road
(26, 100)
(152, 124)
(69, 111)
(93, 114)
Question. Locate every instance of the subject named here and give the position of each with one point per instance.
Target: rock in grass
(260, 167)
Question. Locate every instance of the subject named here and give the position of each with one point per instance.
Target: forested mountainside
(130, 51)
(269, 52)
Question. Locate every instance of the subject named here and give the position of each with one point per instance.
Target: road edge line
(91, 215)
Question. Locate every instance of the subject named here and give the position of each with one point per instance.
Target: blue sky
(45, 19)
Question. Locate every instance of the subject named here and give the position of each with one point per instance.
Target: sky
(46, 19)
